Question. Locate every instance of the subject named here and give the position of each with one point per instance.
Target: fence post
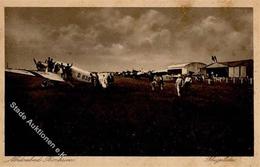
(241, 81)
(251, 81)
(226, 80)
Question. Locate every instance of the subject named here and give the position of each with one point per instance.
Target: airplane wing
(44, 75)
(22, 72)
(48, 75)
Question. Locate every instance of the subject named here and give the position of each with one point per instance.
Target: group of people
(157, 81)
(102, 79)
(66, 71)
(182, 83)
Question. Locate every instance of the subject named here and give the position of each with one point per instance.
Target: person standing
(154, 82)
(51, 65)
(96, 80)
(161, 83)
(179, 83)
(56, 68)
(187, 84)
(68, 71)
(48, 61)
(62, 67)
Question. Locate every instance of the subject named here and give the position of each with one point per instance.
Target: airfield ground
(129, 119)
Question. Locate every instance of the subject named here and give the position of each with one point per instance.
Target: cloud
(149, 31)
(126, 37)
(214, 36)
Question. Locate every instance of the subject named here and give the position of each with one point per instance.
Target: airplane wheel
(45, 84)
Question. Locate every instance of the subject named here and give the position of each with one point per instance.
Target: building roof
(160, 71)
(182, 65)
(239, 63)
(248, 62)
(177, 66)
(216, 65)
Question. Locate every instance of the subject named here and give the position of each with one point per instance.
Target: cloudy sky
(115, 39)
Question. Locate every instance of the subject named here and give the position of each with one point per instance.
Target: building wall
(230, 71)
(238, 71)
(194, 67)
(184, 71)
(243, 71)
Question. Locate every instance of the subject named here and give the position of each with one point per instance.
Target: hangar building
(185, 68)
(237, 69)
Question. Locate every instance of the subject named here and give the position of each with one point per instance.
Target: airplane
(56, 75)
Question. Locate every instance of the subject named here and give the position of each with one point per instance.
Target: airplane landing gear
(46, 83)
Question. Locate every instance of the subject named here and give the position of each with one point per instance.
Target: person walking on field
(179, 83)
(187, 84)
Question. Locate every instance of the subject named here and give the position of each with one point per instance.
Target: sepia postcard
(120, 83)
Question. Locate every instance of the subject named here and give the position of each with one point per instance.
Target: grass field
(130, 119)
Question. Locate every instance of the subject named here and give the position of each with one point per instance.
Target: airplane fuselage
(77, 74)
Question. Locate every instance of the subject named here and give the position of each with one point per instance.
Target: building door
(242, 71)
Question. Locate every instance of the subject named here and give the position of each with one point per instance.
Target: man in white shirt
(179, 83)
(188, 80)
